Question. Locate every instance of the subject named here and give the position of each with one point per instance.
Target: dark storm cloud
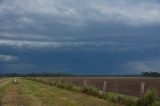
(80, 36)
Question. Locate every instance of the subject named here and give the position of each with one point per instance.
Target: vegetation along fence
(124, 85)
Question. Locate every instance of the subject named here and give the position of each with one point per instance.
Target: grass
(12, 94)
(46, 93)
(149, 99)
(50, 96)
(89, 90)
(4, 88)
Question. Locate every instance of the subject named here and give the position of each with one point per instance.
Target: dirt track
(10, 99)
(16, 96)
(2, 82)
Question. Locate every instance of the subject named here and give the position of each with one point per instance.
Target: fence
(128, 86)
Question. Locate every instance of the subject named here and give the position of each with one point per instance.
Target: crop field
(43, 91)
(124, 85)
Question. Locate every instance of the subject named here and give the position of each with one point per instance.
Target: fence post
(104, 86)
(142, 88)
(60, 80)
(15, 80)
(84, 83)
(53, 82)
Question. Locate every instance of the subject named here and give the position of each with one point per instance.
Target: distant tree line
(45, 74)
(151, 74)
(34, 75)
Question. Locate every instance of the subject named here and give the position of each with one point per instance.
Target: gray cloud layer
(121, 28)
(71, 11)
(7, 58)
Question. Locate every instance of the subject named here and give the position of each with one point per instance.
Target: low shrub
(149, 98)
(68, 86)
(90, 91)
(127, 101)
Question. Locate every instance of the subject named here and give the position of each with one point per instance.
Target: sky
(80, 36)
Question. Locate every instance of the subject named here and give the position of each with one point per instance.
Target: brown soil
(124, 85)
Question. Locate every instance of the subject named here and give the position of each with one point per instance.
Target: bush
(149, 99)
(128, 101)
(90, 91)
(68, 86)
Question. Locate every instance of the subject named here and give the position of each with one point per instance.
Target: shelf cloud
(85, 36)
